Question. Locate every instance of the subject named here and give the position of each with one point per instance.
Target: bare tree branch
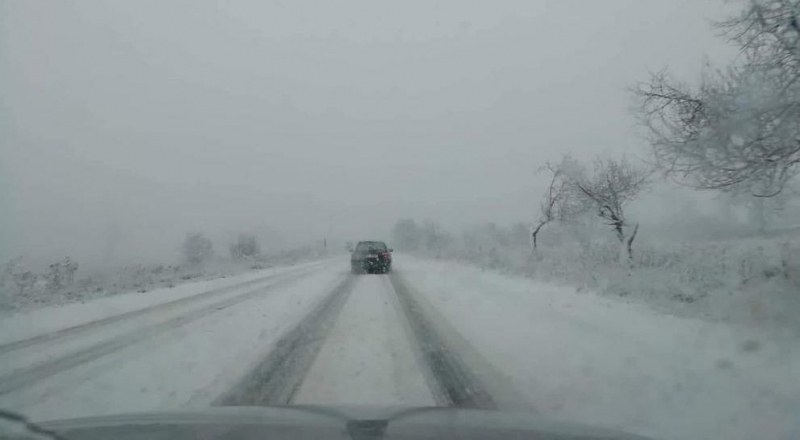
(740, 128)
(560, 202)
(611, 186)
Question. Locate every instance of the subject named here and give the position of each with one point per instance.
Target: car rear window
(366, 246)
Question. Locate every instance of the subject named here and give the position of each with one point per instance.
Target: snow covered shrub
(22, 279)
(197, 248)
(245, 247)
(60, 274)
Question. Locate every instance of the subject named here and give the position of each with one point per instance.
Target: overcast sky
(125, 124)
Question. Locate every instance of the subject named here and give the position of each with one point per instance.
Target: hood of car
(318, 422)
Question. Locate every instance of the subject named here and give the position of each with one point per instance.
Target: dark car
(371, 257)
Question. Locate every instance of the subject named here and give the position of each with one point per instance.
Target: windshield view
(549, 219)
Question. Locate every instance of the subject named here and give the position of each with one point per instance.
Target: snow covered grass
(28, 323)
(753, 280)
(139, 278)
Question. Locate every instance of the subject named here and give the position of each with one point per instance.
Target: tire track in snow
(276, 379)
(30, 375)
(452, 382)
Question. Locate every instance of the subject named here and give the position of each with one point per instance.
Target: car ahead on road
(371, 257)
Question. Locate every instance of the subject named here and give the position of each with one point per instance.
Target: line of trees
(57, 276)
(198, 249)
(428, 236)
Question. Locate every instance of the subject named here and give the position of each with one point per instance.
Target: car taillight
(387, 255)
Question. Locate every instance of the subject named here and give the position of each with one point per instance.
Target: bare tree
(768, 31)
(435, 239)
(245, 247)
(740, 129)
(560, 201)
(23, 278)
(407, 235)
(61, 274)
(197, 248)
(610, 187)
(762, 212)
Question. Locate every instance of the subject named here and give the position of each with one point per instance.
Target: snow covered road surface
(431, 333)
(171, 358)
(367, 354)
(275, 379)
(34, 358)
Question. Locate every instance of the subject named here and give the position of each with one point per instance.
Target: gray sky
(126, 124)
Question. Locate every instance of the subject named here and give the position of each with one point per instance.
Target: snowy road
(429, 334)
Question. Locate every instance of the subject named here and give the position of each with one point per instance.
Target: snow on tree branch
(560, 201)
(610, 187)
(740, 129)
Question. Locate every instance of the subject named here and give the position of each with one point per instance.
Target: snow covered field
(431, 333)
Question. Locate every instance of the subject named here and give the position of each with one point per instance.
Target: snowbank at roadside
(753, 281)
(586, 358)
(29, 323)
(64, 282)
